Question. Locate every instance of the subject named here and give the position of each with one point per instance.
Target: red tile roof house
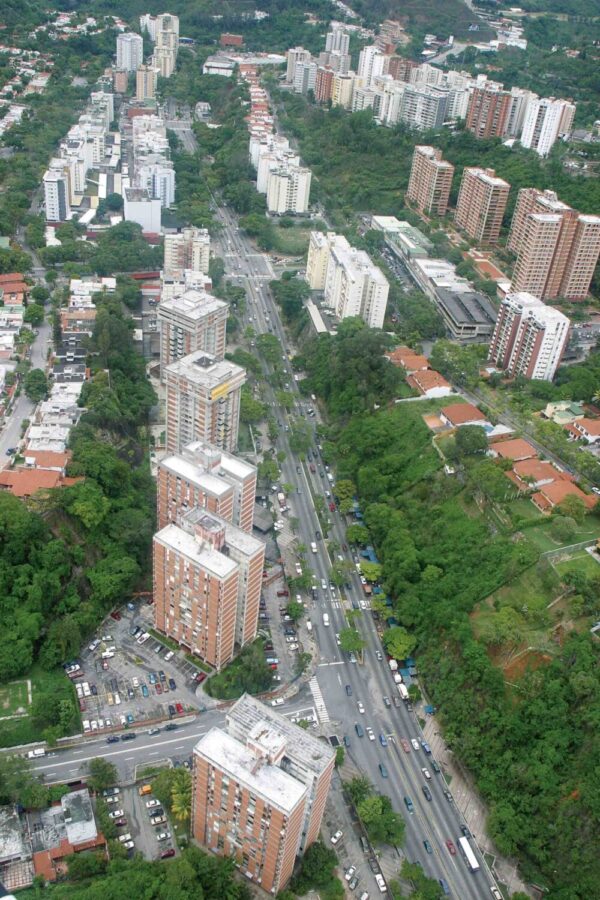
(462, 414)
(408, 359)
(516, 449)
(586, 429)
(533, 473)
(429, 383)
(552, 494)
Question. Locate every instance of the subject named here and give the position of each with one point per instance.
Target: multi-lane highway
(434, 821)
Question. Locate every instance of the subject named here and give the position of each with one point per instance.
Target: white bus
(470, 858)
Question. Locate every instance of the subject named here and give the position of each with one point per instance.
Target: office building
(189, 322)
(544, 121)
(207, 577)
(468, 315)
(481, 204)
(56, 195)
(145, 83)
(487, 111)
(430, 181)
(337, 40)
(353, 285)
(557, 248)
(259, 788)
(130, 51)
(341, 92)
(529, 338)
(206, 478)
(187, 249)
(203, 401)
(294, 56)
(324, 84)
(288, 190)
(371, 62)
(423, 107)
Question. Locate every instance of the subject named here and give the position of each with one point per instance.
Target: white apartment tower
(191, 321)
(529, 338)
(352, 285)
(187, 249)
(130, 51)
(337, 40)
(288, 190)
(371, 62)
(546, 120)
(294, 56)
(56, 195)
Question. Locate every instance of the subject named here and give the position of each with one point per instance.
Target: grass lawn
(13, 698)
(540, 535)
(528, 590)
(524, 509)
(293, 241)
(581, 562)
(22, 730)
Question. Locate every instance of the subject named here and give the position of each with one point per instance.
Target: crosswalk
(318, 698)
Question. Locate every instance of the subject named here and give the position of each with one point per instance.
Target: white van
(35, 754)
(381, 883)
(326, 620)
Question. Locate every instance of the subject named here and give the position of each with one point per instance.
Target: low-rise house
(429, 383)
(553, 494)
(516, 449)
(408, 359)
(459, 414)
(564, 412)
(585, 429)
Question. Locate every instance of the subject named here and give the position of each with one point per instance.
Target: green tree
(103, 774)
(398, 642)
(371, 570)
(384, 826)
(34, 314)
(36, 385)
(357, 534)
(573, 507)
(39, 294)
(340, 755)
(351, 640)
(470, 440)
(295, 611)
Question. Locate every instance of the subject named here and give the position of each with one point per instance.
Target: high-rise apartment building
(294, 56)
(163, 60)
(337, 40)
(341, 92)
(430, 181)
(371, 62)
(339, 62)
(56, 194)
(557, 247)
(157, 175)
(487, 111)
(529, 338)
(207, 578)
(145, 83)
(353, 285)
(288, 190)
(400, 68)
(481, 204)
(259, 791)
(130, 51)
(203, 401)
(305, 76)
(167, 32)
(187, 249)
(189, 322)
(148, 23)
(424, 106)
(206, 478)
(544, 121)
(324, 84)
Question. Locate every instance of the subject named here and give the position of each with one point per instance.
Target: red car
(105, 664)
(167, 854)
(158, 688)
(116, 615)
(82, 705)
(120, 823)
(332, 507)
(312, 468)
(405, 745)
(273, 666)
(283, 593)
(344, 547)
(451, 847)
(179, 708)
(200, 677)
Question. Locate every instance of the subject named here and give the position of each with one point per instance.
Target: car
(405, 745)
(352, 657)
(155, 821)
(373, 865)
(336, 838)
(451, 847)
(465, 831)
(171, 709)
(128, 737)
(426, 747)
(150, 804)
(448, 796)
(11, 451)
(154, 731)
(346, 741)
(409, 805)
(129, 845)
(179, 708)
(350, 873)
(278, 701)
(353, 882)
(383, 770)
(116, 615)
(111, 792)
(321, 473)
(199, 677)
(383, 740)
(94, 690)
(428, 846)
(167, 854)
(370, 733)
(171, 726)
(152, 678)
(359, 729)
(116, 814)
(426, 792)
(349, 690)
(415, 743)
(162, 676)
(435, 767)
(111, 799)
(112, 739)
(337, 638)
(159, 811)
(360, 705)
(426, 773)
(387, 702)
(105, 664)
(121, 823)
(495, 892)
(379, 655)
(130, 718)
(145, 691)
(158, 688)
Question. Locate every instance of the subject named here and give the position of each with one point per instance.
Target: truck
(35, 754)
(281, 499)
(393, 665)
(402, 690)
(313, 546)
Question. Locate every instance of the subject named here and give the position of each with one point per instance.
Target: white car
(150, 804)
(379, 655)
(415, 743)
(349, 873)
(337, 639)
(129, 845)
(426, 773)
(371, 733)
(361, 708)
(135, 682)
(277, 702)
(336, 838)
(116, 814)
(293, 646)
(323, 584)
(112, 800)
(163, 836)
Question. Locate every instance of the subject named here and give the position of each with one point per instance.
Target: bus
(468, 854)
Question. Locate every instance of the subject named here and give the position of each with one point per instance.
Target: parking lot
(285, 646)
(142, 817)
(127, 682)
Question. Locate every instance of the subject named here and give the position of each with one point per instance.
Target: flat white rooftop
(197, 551)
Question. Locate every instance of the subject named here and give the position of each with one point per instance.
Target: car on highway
(465, 831)
(426, 793)
(379, 655)
(383, 770)
(415, 743)
(435, 767)
(116, 814)
(360, 706)
(428, 846)
(409, 805)
(448, 796)
(277, 702)
(383, 740)
(349, 874)
(426, 773)
(323, 584)
(370, 733)
(359, 729)
(495, 892)
(349, 690)
(336, 838)
(112, 739)
(405, 745)
(387, 702)
(451, 847)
